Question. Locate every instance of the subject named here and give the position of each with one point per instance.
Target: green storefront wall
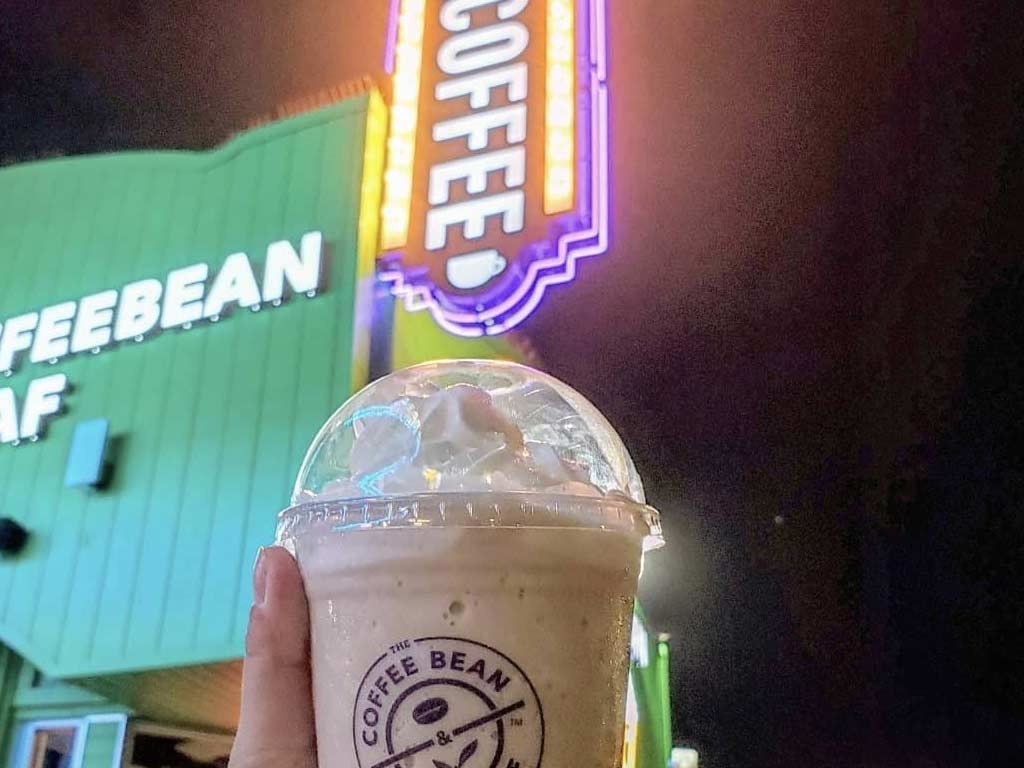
(208, 425)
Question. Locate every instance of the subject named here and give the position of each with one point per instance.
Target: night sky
(808, 330)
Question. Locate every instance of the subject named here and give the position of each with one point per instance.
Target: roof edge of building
(126, 664)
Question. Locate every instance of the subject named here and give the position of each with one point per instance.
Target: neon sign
(497, 171)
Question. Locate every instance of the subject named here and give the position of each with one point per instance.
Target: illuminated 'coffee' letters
(497, 172)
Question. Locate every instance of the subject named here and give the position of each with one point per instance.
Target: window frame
(27, 729)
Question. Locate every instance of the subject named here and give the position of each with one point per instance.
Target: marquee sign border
(584, 232)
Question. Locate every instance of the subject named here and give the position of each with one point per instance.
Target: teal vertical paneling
(274, 374)
(183, 584)
(242, 390)
(309, 366)
(116, 237)
(209, 424)
(17, 260)
(87, 245)
(147, 204)
(178, 395)
(51, 274)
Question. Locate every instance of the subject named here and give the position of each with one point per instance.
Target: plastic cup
(470, 536)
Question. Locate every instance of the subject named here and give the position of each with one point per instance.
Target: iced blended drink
(470, 537)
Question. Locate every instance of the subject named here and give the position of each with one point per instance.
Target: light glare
(402, 136)
(560, 109)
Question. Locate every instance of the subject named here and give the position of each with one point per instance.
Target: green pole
(661, 664)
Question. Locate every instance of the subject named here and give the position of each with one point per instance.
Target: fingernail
(259, 578)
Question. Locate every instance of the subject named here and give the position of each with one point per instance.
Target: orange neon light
(560, 113)
(631, 741)
(401, 146)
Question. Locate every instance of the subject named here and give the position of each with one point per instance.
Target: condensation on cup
(470, 536)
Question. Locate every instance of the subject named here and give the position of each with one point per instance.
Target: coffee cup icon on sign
(472, 270)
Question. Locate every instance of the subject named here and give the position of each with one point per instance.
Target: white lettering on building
(301, 271)
(183, 296)
(235, 284)
(135, 311)
(53, 334)
(93, 325)
(139, 311)
(44, 398)
(16, 338)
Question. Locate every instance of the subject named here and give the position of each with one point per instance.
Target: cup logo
(446, 702)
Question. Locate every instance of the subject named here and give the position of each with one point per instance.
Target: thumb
(275, 728)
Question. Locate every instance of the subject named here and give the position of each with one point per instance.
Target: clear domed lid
(464, 427)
